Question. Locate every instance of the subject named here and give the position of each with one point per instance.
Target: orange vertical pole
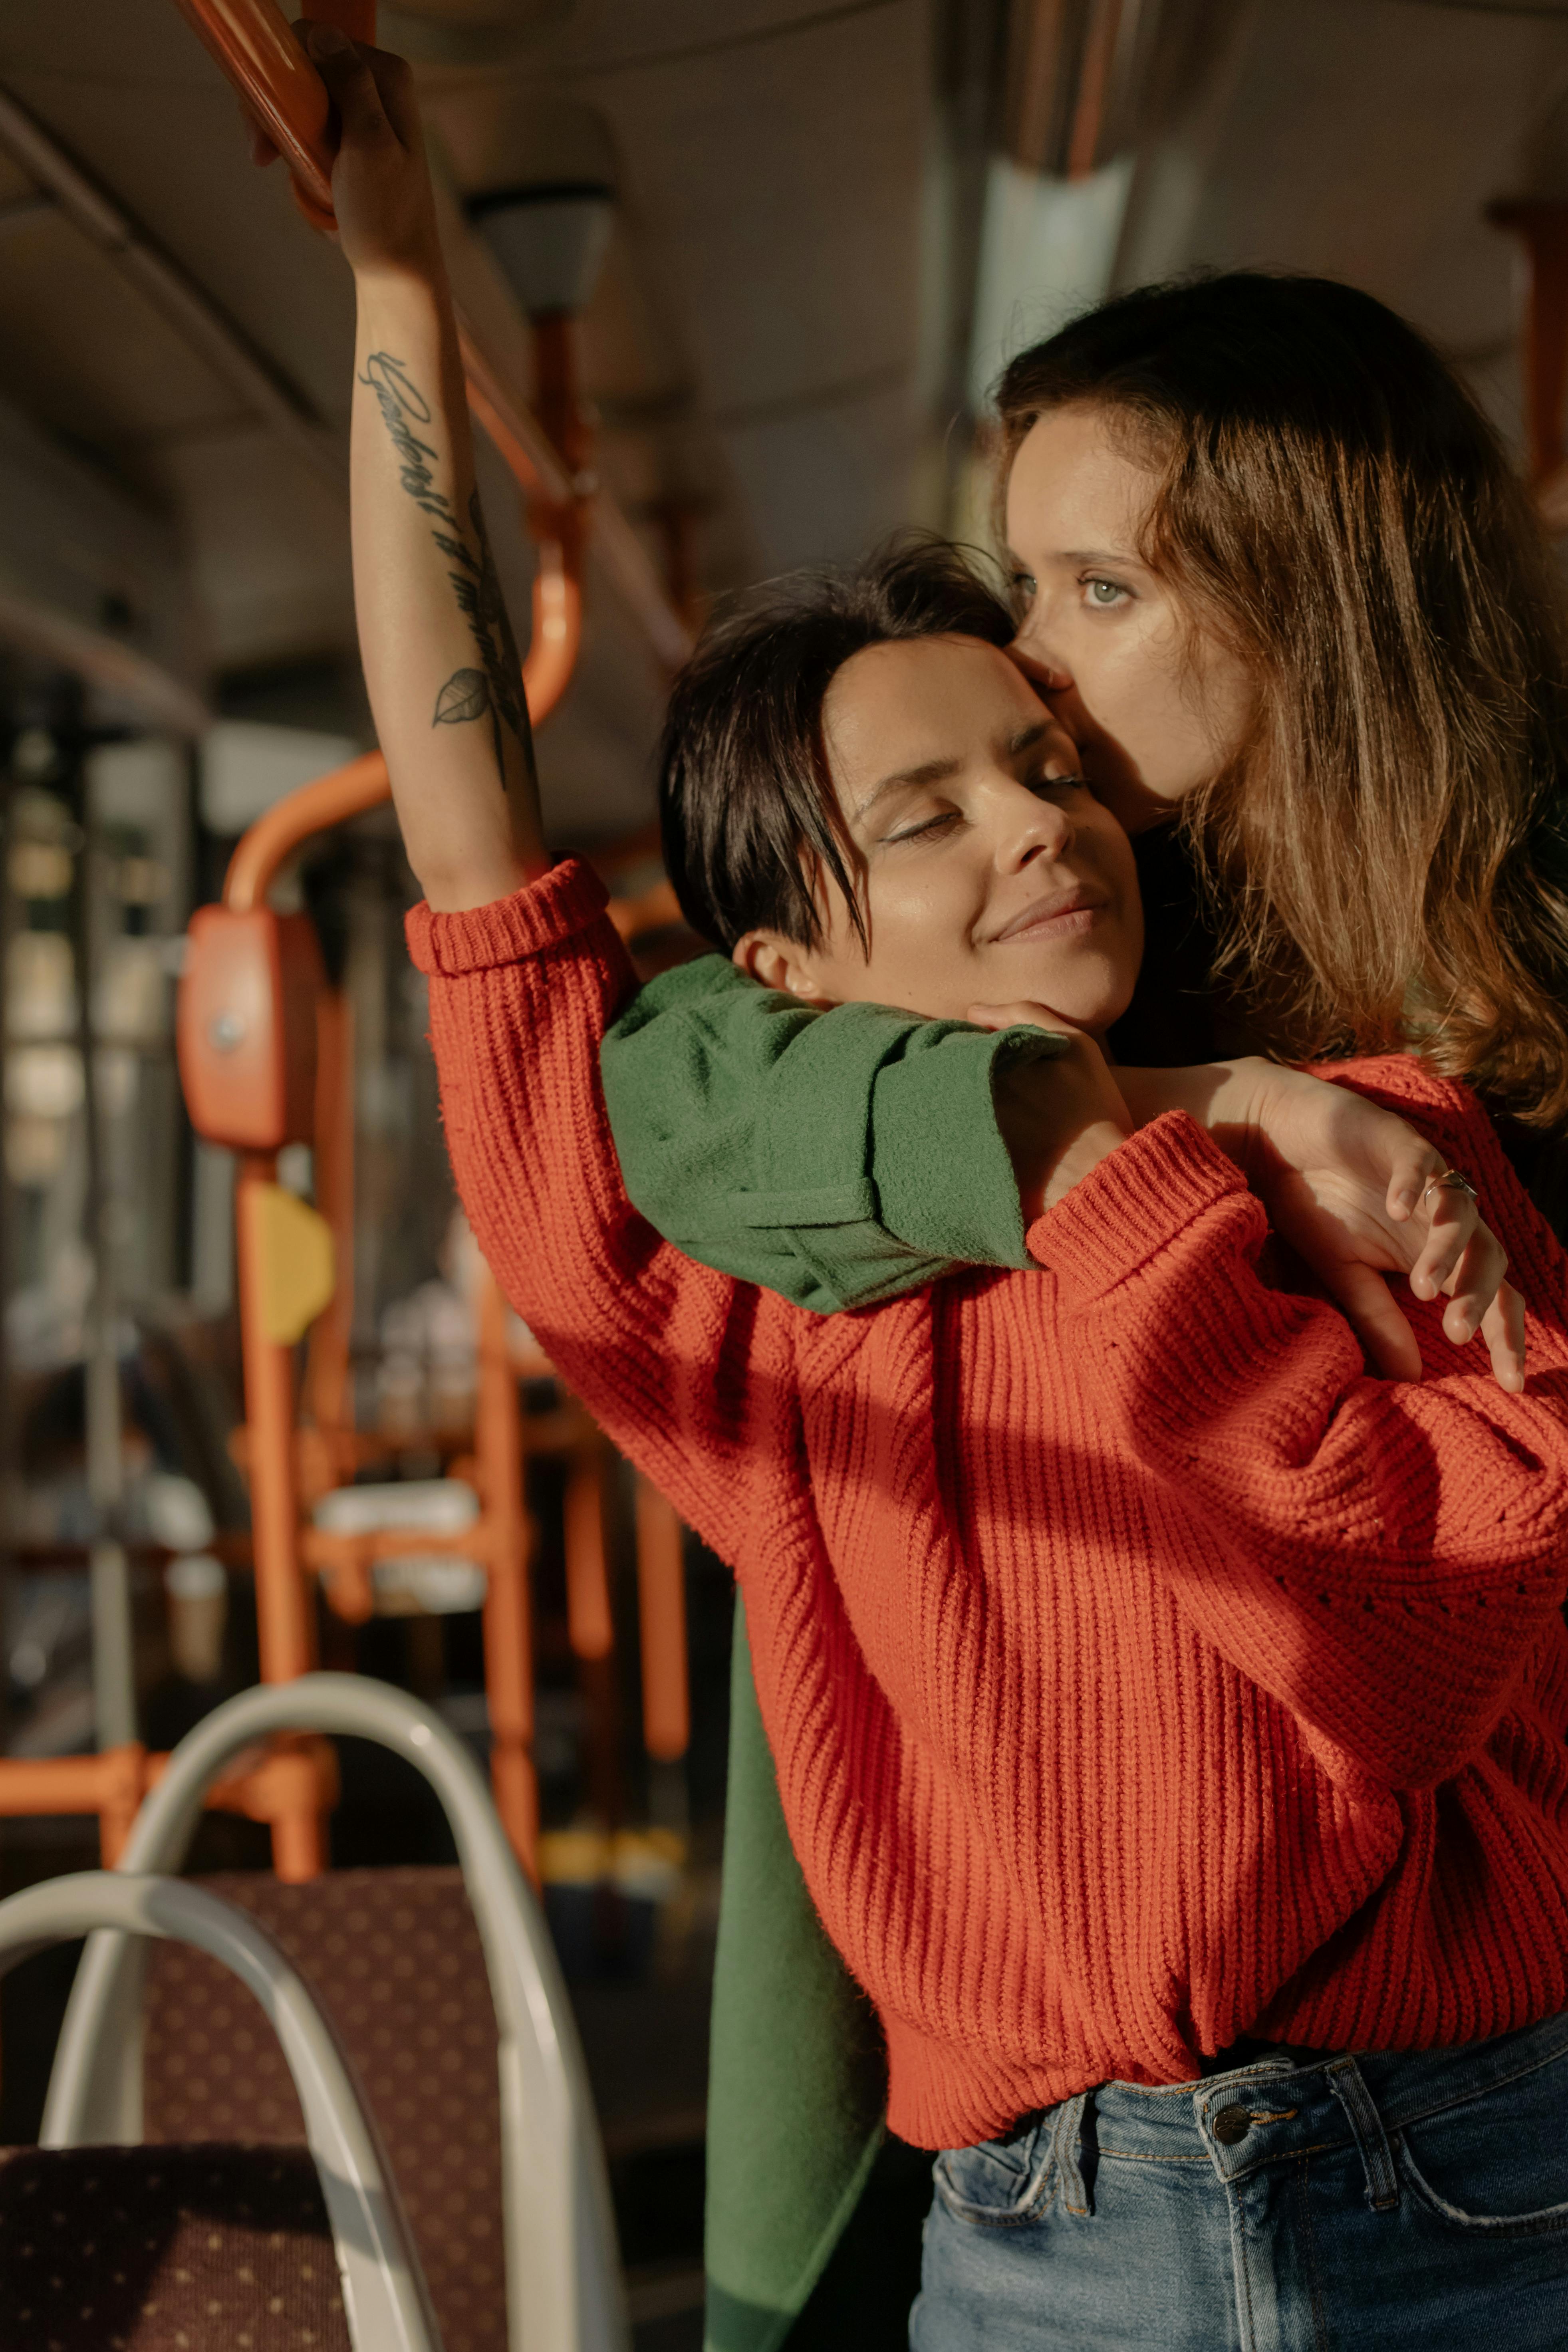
(590, 1621)
(509, 1643)
(284, 1622)
(1543, 228)
(590, 1626)
(327, 1395)
(661, 1595)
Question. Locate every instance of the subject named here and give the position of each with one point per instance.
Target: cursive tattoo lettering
(402, 408)
(494, 689)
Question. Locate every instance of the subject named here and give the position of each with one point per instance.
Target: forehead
(902, 705)
(1076, 485)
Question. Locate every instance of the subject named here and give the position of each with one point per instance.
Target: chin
(1091, 1001)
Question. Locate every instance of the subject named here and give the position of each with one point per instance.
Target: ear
(775, 961)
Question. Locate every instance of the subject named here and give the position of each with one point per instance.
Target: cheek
(917, 915)
(922, 956)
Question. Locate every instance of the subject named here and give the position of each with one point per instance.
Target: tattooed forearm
(495, 687)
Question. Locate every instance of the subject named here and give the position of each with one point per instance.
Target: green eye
(1024, 581)
(1104, 594)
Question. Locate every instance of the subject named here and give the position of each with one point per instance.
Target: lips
(1083, 898)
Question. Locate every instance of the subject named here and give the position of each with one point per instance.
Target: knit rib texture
(1139, 1671)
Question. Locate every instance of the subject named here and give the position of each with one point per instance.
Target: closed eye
(927, 826)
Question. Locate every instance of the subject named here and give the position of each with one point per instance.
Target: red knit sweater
(1139, 1673)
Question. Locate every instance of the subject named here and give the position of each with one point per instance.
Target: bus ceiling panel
(152, 118)
(90, 582)
(268, 555)
(821, 137)
(1382, 175)
(86, 351)
(770, 165)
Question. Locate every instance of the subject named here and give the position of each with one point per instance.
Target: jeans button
(1231, 2126)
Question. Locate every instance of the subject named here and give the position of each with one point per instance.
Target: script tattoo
(493, 690)
(403, 406)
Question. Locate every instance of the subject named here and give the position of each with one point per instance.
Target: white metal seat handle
(564, 2282)
(384, 2297)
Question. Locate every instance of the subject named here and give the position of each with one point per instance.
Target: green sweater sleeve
(838, 1158)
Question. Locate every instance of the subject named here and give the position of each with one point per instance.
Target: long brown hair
(1391, 844)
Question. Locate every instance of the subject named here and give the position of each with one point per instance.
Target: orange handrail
(252, 41)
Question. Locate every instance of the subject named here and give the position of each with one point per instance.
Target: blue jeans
(1415, 2203)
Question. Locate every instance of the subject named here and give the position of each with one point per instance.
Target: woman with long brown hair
(1272, 567)
(1274, 564)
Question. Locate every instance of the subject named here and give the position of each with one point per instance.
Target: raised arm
(524, 968)
(439, 661)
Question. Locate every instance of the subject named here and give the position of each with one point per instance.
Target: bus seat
(559, 2262)
(144, 2249)
(396, 1958)
(79, 2257)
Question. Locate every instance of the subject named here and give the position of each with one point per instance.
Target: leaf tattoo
(466, 694)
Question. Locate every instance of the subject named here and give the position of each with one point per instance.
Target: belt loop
(1348, 2085)
(1064, 2147)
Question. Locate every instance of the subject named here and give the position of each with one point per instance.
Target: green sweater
(838, 1159)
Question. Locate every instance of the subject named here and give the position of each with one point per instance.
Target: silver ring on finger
(1452, 1180)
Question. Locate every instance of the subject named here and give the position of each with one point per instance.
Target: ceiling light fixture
(550, 239)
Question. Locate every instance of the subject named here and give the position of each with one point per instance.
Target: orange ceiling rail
(253, 43)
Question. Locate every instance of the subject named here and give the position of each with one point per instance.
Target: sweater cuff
(538, 916)
(945, 1180)
(1139, 1200)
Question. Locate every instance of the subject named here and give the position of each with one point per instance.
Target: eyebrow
(936, 771)
(1084, 555)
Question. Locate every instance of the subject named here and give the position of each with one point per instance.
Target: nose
(1033, 831)
(1036, 656)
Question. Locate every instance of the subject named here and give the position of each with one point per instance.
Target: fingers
(1502, 1327)
(263, 148)
(394, 83)
(1415, 1164)
(353, 84)
(1456, 1221)
(1473, 1286)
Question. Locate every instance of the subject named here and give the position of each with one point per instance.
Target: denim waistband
(1326, 2103)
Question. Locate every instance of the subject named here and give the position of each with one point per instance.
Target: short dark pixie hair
(746, 803)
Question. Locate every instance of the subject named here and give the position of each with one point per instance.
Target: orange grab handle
(252, 41)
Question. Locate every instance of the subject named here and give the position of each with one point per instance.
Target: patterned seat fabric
(166, 2250)
(396, 1960)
